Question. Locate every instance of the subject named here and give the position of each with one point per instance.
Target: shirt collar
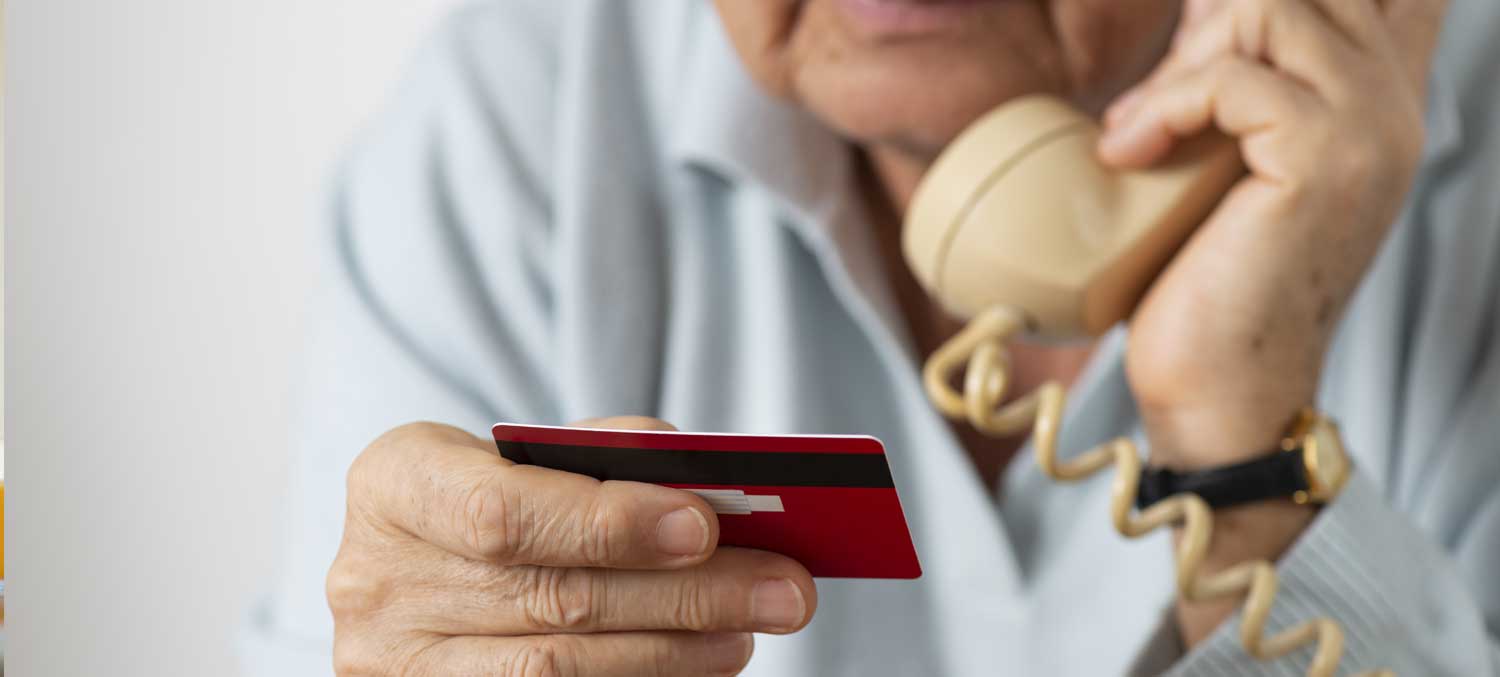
(1443, 122)
(729, 126)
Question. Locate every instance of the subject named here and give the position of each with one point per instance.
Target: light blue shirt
(575, 209)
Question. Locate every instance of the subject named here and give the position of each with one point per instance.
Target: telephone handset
(1019, 228)
(1018, 212)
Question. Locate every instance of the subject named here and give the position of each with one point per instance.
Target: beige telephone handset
(1019, 228)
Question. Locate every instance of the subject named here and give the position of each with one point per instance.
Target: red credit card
(827, 501)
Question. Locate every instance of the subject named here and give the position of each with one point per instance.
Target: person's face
(910, 74)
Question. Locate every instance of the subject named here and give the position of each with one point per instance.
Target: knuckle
(414, 432)
(693, 608)
(560, 599)
(371, 468)
(396, 439)
(489, 526)
(601, 544)
(542, 658)
(361, 472)
(352, 591)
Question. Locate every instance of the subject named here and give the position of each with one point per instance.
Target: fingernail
(1109, 141)
(728, 652)
(682, 532)
(1118, 141)
(1122, 107)
(777, 604)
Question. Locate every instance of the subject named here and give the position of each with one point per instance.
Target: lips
(891, 18)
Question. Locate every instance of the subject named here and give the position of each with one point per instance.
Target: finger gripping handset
(1020, 229)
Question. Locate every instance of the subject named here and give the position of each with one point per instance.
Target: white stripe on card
(765, 504)
(735, 502)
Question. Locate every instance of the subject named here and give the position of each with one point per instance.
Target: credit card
(827, 501)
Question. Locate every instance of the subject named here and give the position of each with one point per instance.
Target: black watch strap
(1280, 475)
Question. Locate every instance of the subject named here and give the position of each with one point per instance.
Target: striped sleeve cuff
(1399, 601)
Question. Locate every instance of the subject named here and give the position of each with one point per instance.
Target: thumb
(626, 423)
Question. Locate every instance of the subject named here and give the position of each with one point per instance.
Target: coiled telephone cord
(981, 345)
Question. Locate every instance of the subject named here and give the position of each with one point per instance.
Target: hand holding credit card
(827, 501)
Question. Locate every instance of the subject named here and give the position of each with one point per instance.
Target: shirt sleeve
(1402, 602)
(435, 299)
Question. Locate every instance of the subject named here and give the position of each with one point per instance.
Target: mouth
(909, 18)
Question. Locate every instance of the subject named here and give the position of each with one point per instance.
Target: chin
(915, 95)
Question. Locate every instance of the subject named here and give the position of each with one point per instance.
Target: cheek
(1110, 44)
(760, 31)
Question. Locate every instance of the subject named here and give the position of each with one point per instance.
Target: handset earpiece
(1018, 211)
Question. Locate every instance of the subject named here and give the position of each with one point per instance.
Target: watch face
(1329, 464)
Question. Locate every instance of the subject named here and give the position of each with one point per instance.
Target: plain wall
(166, 161)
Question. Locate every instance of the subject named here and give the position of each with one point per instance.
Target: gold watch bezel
(1309, 432)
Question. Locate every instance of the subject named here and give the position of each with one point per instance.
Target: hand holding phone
(1327, 106)
(1233, 279)
(1031, 222)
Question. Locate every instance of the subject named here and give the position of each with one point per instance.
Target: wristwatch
(1309, 467)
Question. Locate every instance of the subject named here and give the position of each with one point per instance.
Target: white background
(166, 160)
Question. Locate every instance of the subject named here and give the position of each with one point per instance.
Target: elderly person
(691, 212)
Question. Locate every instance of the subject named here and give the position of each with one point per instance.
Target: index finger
(448, 488)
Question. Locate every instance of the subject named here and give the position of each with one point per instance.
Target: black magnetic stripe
(673, 466)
